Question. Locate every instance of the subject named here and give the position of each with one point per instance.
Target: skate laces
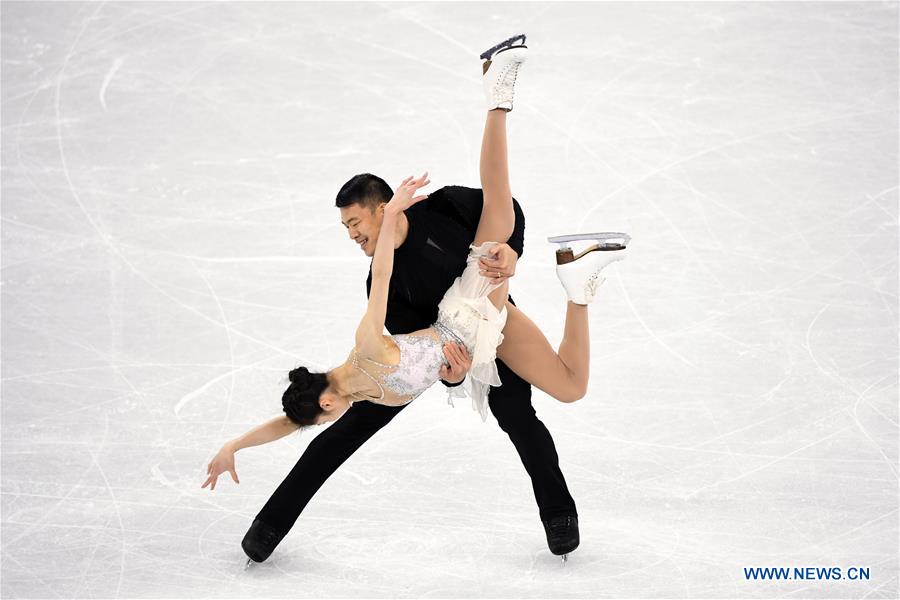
(591, 285)
(595, 281)
(505, 83)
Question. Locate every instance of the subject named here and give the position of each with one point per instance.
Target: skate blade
(249, 562)
(565, 558)
(487, 54)
(609, 240)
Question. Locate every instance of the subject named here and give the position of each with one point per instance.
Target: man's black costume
(441, 228)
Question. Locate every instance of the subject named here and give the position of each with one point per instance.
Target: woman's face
(333, 406)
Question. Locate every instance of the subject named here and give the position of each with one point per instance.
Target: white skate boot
(499, 72)
(580, 273)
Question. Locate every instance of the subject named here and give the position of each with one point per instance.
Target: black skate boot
(260, 541)
(562, 535)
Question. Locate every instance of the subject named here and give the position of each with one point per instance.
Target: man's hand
(222, 462)
(459, 360)
(500, 263)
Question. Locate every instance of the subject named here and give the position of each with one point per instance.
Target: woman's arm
(371, 328)
(369, 340)
(261, 434)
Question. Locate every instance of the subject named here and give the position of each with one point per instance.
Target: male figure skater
(430, 255)
(432, 244)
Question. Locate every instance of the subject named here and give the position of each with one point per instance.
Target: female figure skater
(394, 370)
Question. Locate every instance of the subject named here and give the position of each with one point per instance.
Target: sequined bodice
(421, 357)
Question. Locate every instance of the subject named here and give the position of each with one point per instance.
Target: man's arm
(466, 203)
(517, 239)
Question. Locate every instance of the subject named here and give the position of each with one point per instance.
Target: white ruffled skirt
(468, 313)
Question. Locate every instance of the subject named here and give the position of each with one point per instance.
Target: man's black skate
(260, 541)
(489, 53)
(562, 534)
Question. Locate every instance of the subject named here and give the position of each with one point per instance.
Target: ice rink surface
(170, 250)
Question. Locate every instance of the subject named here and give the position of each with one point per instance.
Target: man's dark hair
(366, 189)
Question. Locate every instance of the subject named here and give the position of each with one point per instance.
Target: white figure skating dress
(466, 316)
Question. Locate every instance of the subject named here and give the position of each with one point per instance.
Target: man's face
(363, 225)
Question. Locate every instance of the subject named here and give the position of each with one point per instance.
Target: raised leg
(497, 217)
(525, 349)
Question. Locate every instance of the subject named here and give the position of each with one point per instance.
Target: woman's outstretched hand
(459, 360)
(221, 462)
(500, 262)
(403, 197)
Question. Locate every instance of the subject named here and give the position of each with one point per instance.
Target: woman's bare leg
(497, 217)
(525, 350)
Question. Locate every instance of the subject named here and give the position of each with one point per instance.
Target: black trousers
(511, 405)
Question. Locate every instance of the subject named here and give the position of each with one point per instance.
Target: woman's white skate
(580, 273)
(499, 71)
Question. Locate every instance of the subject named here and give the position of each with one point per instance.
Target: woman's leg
(525, 350)
(497, 217)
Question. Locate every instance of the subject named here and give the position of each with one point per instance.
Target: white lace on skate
(504, 87)
(591, 285)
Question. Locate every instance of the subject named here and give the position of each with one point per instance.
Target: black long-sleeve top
(441, 228)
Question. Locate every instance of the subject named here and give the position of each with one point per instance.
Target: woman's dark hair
(301, 400)
(366, 189)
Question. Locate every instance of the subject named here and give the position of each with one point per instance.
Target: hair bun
(300, 376)
(300, 400)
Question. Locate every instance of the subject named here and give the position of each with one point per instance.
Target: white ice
(170, 250)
